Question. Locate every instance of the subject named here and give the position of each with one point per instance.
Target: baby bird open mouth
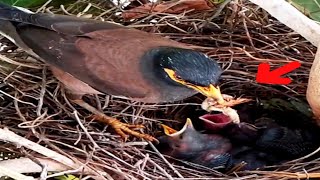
(215, 121)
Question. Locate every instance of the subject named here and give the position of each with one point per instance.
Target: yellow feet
(123, 128)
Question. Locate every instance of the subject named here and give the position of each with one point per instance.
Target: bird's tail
(10, 13)
(21, 16)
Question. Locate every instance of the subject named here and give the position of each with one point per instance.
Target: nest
(34, 105)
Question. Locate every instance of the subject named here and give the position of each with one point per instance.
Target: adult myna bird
(93, 57)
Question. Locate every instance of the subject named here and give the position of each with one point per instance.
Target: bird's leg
(119, 127)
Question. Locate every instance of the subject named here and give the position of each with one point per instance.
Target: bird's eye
(205, 88)
(178, 78)
(181, 136)
(171, 73)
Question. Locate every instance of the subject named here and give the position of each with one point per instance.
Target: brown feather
(73, 84)
(107, 60)
(121, 69)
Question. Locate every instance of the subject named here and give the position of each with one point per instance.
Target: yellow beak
(174, 133)
(211, 92)
(168, 130)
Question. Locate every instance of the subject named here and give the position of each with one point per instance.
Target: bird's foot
(123, 128)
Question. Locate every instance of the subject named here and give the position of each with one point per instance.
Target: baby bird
(189, 144)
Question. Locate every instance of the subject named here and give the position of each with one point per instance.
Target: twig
(306, 156)
(7, 135)
(25, 165)
(216, 14)
(293, 18)
(8, 60)
(13, 174)
(42, 91)
(161, 169)
(95, 145)
(43, 6)
(165, 160)
(18, 100)
(289, 174)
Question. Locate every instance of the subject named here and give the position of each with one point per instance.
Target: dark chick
(243, 137)
(264, 143)
(251, 158)
(285, 142)
(238, 133)
(188, 144)
(94, 57)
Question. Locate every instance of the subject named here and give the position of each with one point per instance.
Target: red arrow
(265, 76)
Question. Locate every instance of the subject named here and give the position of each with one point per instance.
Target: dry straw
(240, 36)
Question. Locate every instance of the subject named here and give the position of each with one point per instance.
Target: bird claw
(123, 128)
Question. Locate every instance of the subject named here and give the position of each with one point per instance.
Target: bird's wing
(101, 63)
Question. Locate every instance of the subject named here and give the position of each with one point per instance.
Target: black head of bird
(187, 68)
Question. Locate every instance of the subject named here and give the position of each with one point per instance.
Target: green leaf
(67, 177)
(24, 3)
(276, 104)
(310, 8)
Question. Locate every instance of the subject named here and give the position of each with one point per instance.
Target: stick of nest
(58, 162)
(13, 174)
